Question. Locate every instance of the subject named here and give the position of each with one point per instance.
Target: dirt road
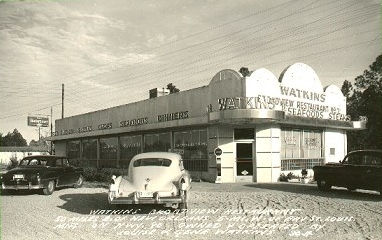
(216, 211)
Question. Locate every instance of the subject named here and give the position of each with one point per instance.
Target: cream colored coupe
(153, 178)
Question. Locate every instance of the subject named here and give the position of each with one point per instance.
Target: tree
(365, 99)
(39, 143)
(347, 88)
(172, 88)
(13, 139)
(244, 71)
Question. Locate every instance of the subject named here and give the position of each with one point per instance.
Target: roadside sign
(36, 121)
(218, 151)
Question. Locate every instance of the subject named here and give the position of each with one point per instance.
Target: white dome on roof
(301, 76)
(225, 75)
(263, 82)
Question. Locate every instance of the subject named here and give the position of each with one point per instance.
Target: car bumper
(28, 186)
(154, 200)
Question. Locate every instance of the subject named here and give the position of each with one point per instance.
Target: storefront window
(311, 144)
(73, 148)
(73, 152)
(192, 145)
(108, 152)
(89, 152)
(244, 133)
(301, 149)
(160, 142)
(290, 143)
(130, 146)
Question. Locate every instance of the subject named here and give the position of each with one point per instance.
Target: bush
(291, 176)
(101, 175)
(12, 162)
(285, 178)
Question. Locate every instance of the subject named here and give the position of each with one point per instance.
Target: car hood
(156, 179)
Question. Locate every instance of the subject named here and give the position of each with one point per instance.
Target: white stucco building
(235, 129)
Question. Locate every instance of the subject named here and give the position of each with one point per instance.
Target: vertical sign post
(62, 102)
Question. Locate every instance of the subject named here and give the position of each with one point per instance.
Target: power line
(80, 95)
(226, 35)
(177, 66)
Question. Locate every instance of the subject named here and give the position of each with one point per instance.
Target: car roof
(366, 150)
(168, 155)
(44, 156)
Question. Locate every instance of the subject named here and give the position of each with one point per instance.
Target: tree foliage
(14, 139)
(244, 71)
(38, 143)
(172, 88)
(365, 99)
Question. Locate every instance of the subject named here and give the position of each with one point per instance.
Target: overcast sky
(111, 52)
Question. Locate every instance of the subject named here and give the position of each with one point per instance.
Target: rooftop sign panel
(37, 121)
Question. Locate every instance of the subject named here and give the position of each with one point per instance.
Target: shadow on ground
(89, 202)
(22, 192)
(312, 189)
(26, 192)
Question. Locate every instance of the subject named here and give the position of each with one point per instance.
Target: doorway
(244, 160)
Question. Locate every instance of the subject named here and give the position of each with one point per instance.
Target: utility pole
(51, 130)
(62, 102)
(39, 133)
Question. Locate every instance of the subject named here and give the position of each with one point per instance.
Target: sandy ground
(216, 211)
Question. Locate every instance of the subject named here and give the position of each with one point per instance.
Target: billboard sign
(35, 121)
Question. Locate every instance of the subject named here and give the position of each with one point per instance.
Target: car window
(162, 162)
(59, 162)
(355, 159)
(372, 159)
(34, 162)
(50, 162)
(65, 162)
(362, 158)
(24, 162)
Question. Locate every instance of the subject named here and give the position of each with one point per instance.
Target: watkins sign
(298, 93)
(38, 121)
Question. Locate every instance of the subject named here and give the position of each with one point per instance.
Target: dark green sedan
(43, 172)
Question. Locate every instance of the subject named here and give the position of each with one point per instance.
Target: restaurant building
(234, 129)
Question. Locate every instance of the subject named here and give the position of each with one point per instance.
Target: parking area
(242, 211)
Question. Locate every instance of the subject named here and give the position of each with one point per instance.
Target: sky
(109, 53)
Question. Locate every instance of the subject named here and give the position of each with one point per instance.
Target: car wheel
(79, 182)
(323, 185)
(49, 188)
(184, 204)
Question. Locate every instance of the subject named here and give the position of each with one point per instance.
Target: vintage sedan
(360, 169)
(153, 178)
(42, 172)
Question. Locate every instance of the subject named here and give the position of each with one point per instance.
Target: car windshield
(162, 162)
(37, 162)
(365, 158)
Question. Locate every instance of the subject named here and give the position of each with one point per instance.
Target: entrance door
(244, 156)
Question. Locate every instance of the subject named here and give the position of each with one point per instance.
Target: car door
(60, 172)
(372, 164)
(356, 170)
(70, 172)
